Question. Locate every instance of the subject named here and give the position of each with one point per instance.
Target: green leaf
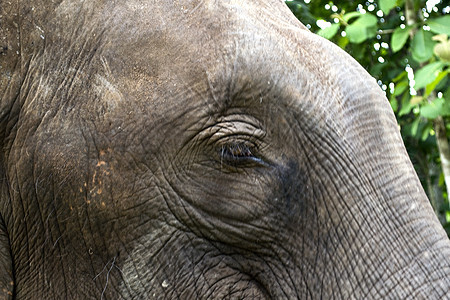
(351, 15)
(399, 38)
(440, 38)
(356, 34)
(400, 76)
(427, 74)
(445, 112)
(377, 70)
(442, 50)
(342, 42)
(426, 132)
(447, 95)
(357, 51)
(400, 88)
(394, 103)
(422, 46)
(430, 87)
(440, 25)
(433, 109)
(414, 126)
(329, 32)
(416, 100)
(406, 105)
(441, 181)
(446, 106)
(362, 29)
(367, 20)
(387, 5)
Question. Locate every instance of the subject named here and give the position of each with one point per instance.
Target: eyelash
(239, 154)
(236, 150)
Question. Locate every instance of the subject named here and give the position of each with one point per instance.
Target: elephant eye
(239, 155)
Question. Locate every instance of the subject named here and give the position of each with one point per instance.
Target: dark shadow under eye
(239, 154)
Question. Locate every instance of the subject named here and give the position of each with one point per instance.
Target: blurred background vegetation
(405, 45)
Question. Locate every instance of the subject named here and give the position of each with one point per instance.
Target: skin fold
(201, 150)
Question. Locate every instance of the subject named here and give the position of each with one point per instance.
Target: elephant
(201, 149)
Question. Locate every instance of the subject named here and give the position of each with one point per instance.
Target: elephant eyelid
(239, 154)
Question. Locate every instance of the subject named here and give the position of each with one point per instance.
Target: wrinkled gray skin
(201, 150)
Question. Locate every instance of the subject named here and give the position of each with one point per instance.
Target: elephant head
(201, 150)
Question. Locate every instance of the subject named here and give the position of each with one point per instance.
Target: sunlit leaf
(368, 20)
(343, 41)
(440, 38)
(362, 29)
(422, 45)
(399, 38)
(329, 32)
(356, 34)
(427, 74)
(442, 50)
(400, 76)
(401, 87)
(351, 15)
(387, 5)
(426, 131)
(430, 87)
(414, 126)
(435, 108)
(440, 25)
(441, 183)
(394, 103)
(416, 100)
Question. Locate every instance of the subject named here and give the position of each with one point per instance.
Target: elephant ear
(10, 81)
(10, 63)
(20, 27)
(6, 265)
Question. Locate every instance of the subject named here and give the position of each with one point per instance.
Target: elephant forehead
(198, 55)
(173, 49)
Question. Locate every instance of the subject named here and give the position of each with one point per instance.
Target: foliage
(405, 45)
